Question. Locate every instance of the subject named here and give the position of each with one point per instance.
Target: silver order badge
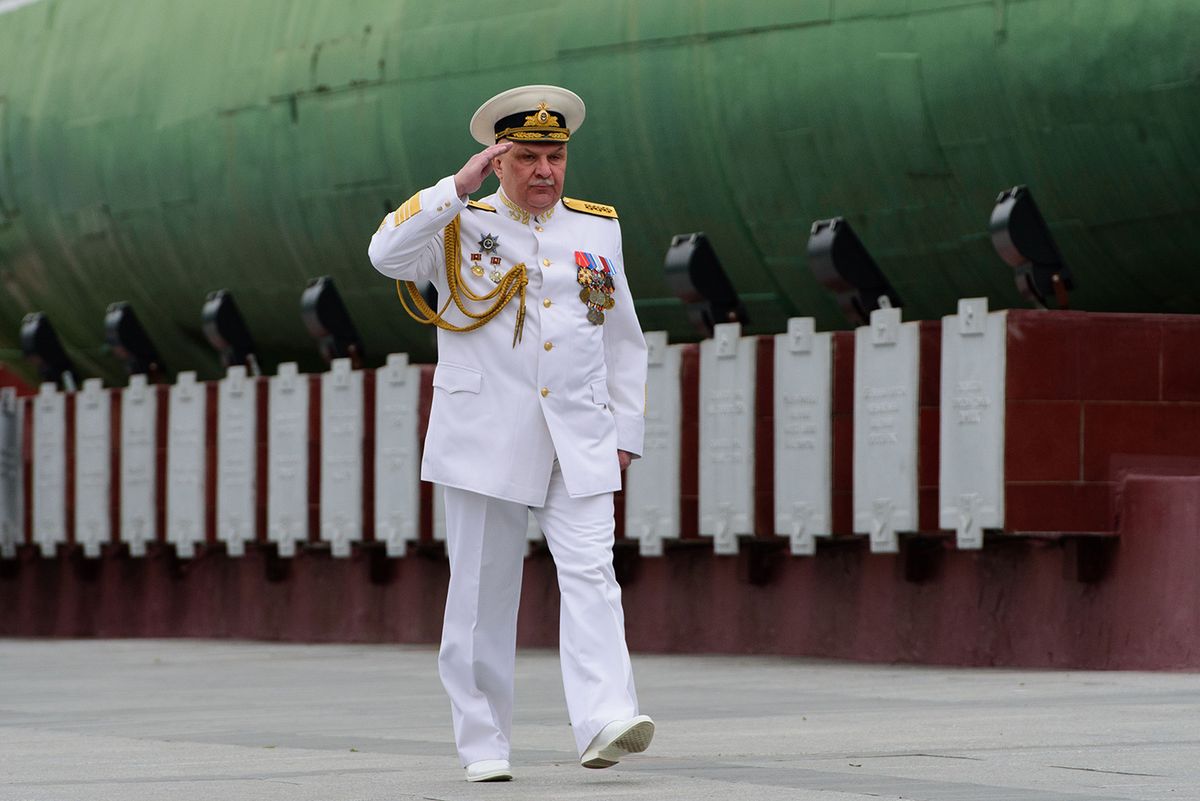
(489, 242)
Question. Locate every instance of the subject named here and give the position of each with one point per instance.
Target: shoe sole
(494, 776)
(634, 740)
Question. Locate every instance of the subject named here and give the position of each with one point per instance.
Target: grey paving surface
(181, 720)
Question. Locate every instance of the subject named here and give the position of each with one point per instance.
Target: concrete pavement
(181, 719)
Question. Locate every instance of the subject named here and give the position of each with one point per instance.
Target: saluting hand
(477, 168)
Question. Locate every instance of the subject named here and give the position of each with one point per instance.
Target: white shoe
(489, 770)
(617, 739)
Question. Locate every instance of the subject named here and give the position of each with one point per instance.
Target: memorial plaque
(341, 456)
(12, 531)
(49, 469)
(397, 453)
(93, 467)
(803, 435)
(237, 473)
(139, 471)
(287, 459)
(185, 464)
(971, 456)
(727, 398)
(652, 486)
(886, 369)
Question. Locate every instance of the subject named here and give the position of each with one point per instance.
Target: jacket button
(549, 346)
(547, 303)
(545, 262)
(545, 391)
(538, 228)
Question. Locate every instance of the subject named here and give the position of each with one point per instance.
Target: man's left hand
(624, 457)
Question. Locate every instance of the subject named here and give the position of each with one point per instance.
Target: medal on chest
(488, 244)
(596, 285)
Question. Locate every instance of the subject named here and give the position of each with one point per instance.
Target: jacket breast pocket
(456, 378)
(600, 393)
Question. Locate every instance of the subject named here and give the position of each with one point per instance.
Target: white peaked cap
(538, 113)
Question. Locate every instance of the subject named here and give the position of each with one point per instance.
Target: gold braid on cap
(528, 134)
(511, 285)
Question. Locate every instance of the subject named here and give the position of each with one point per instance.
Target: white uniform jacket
(570, 389)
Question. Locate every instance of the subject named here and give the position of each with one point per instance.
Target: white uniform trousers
(485, 539)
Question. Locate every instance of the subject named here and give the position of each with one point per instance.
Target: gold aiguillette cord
(511, 285)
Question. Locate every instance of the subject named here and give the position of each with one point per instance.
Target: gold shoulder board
(475, 204)
(588, 207)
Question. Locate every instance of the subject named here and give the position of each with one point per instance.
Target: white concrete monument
(652, 482)
(93, 467)
(341, 456)
(803, 435)
(237, 459)
(49, 469)
(186, 506)
(727, 398)
(886, 372)
(12, 518)
(287, 459)
(397, 454)
(139, 464)
(971, 451)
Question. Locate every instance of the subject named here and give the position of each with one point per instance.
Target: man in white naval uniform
(538, 404)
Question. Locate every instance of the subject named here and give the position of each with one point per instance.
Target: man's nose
(542, 168)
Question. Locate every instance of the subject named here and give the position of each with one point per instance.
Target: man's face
(532, 174)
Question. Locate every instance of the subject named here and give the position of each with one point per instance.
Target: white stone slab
(139, 464)
(727, 398)
(12, 518)
(886, 372)
(803, 435)
(93, 467)
(652, 482)
(971, 450)
(185, 464)
(287, 459)
(237, 459)
(341, 456)
(397, 454)
(49, 469)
